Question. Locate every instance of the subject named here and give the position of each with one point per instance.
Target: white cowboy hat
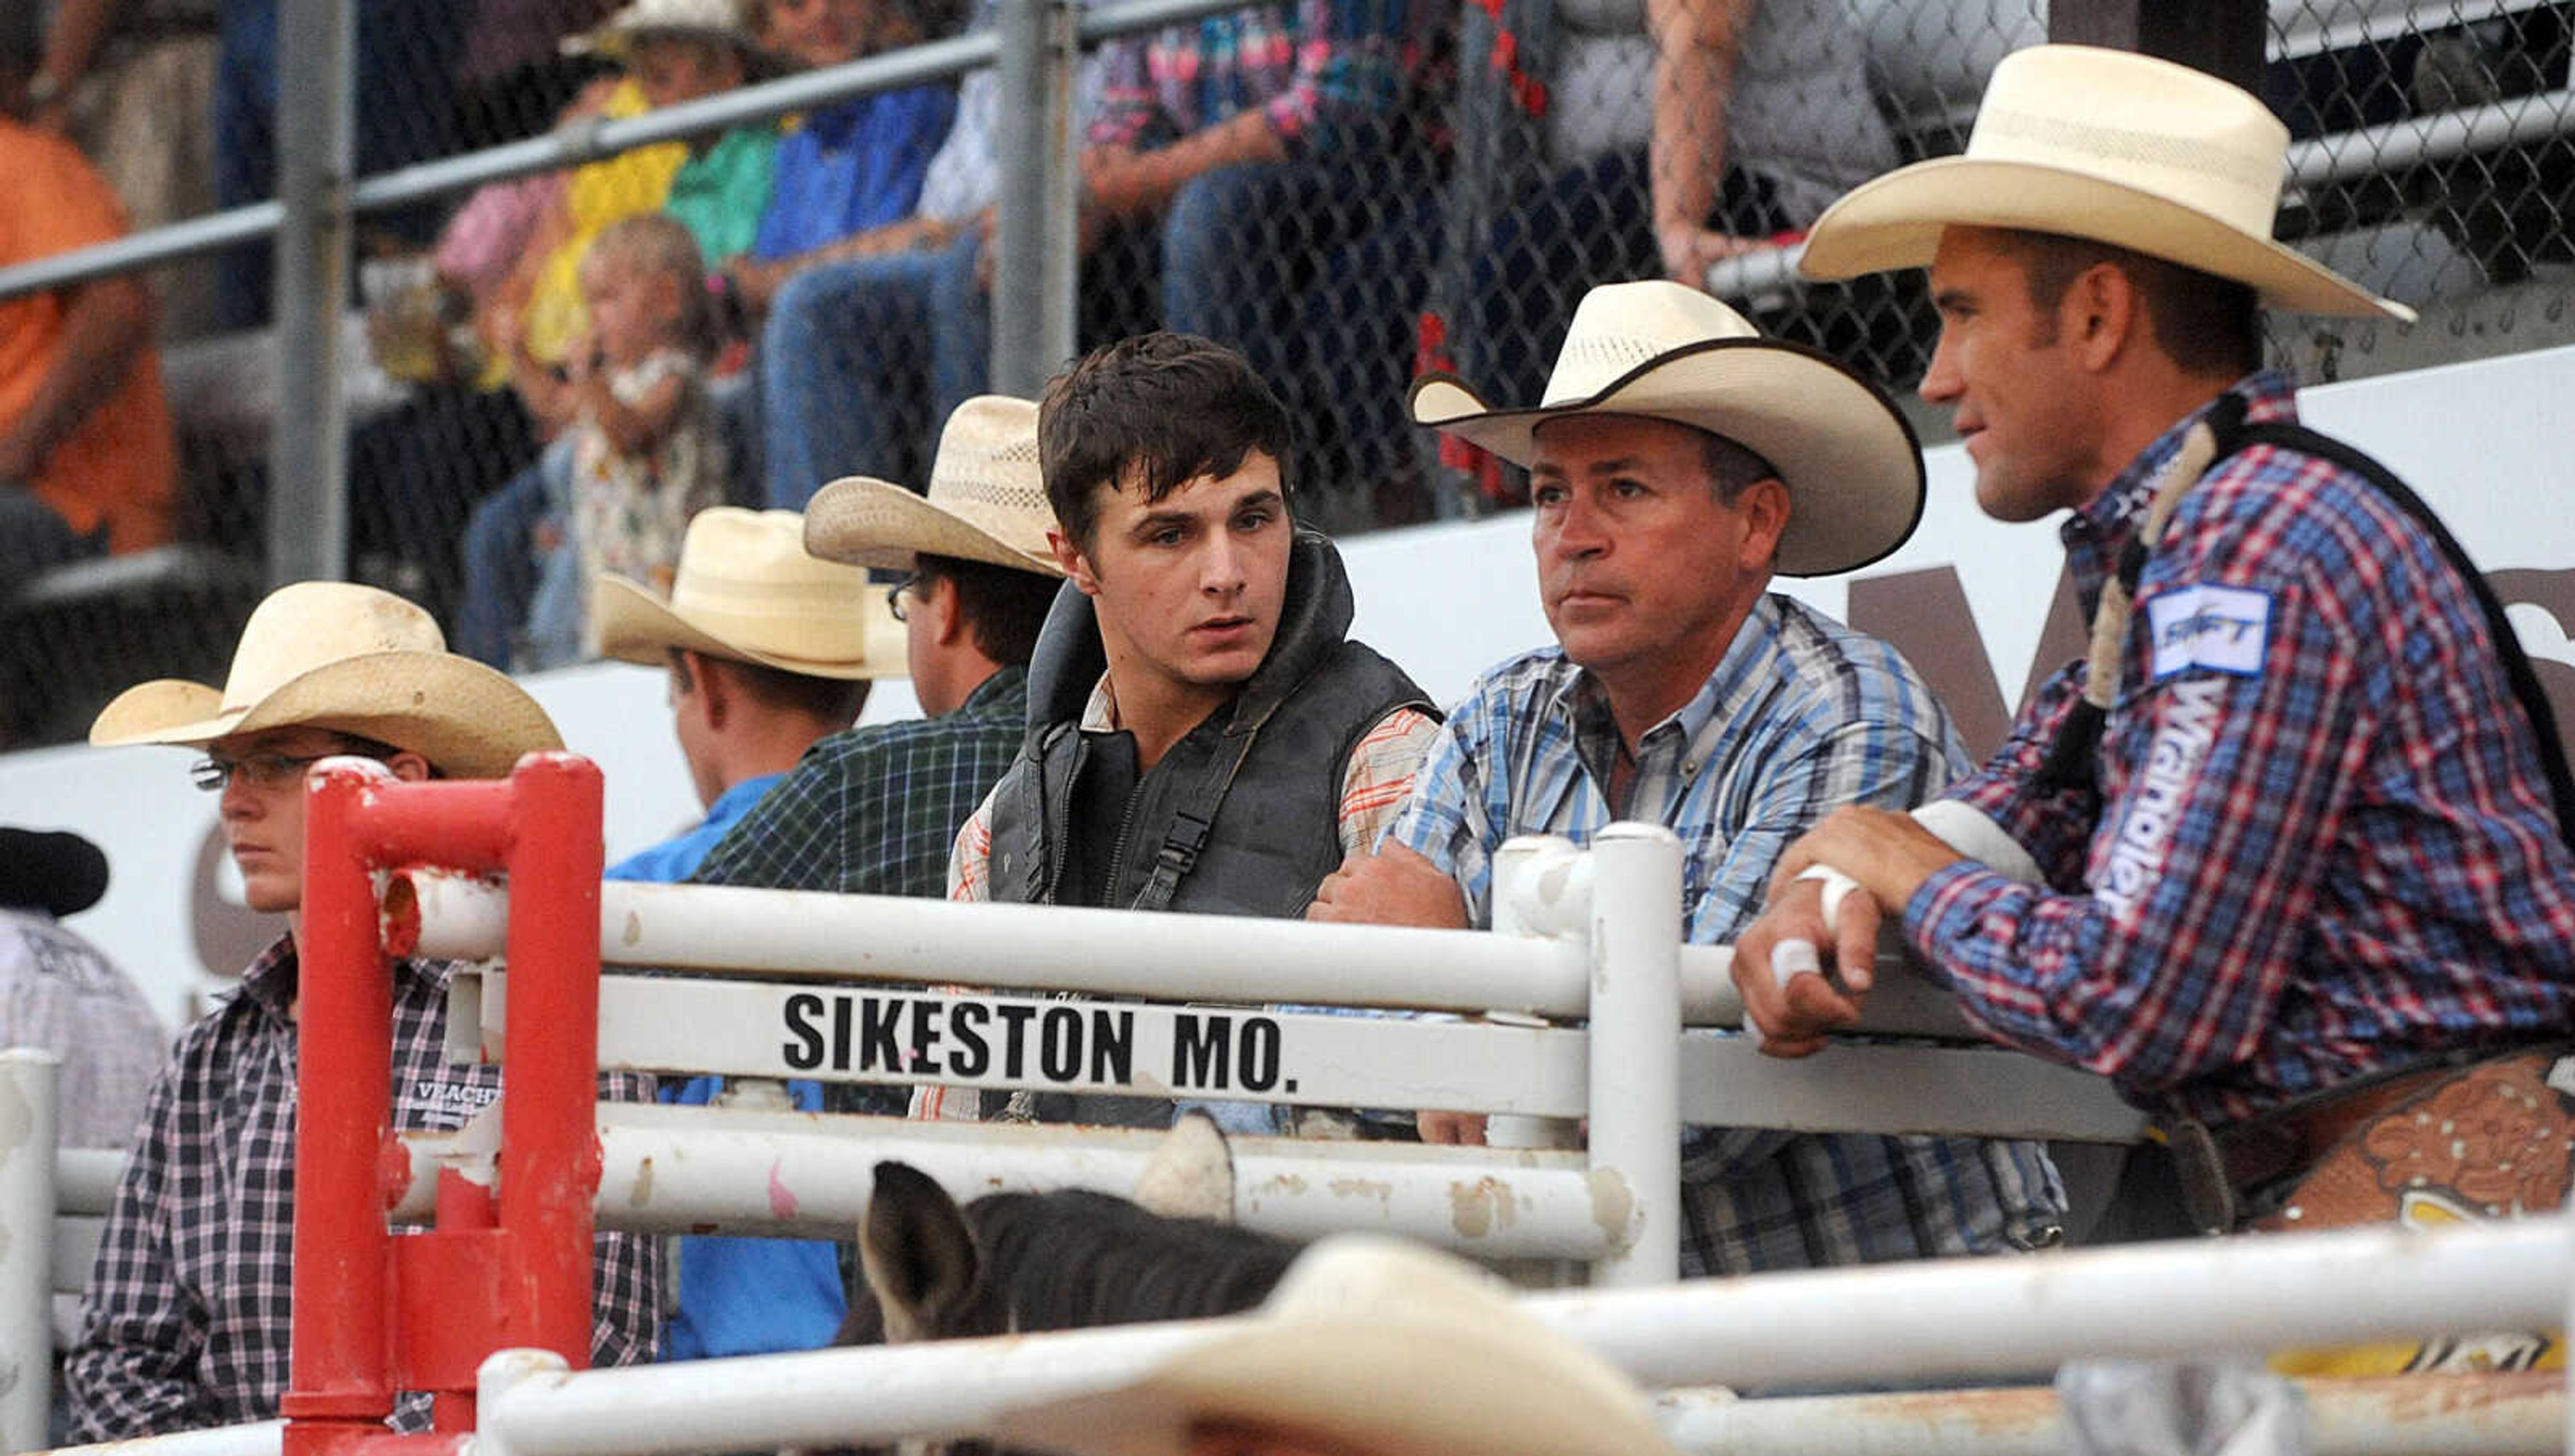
(719, 20)
(352, 659)
(2110, 146)
(987, 500)
(1664, 350)
(1386, 1347)
(746, 591)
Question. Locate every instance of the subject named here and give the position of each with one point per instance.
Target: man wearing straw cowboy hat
(185, 1321)
(871, 811)
(769, 651)
(2284, 857)
(1369, 1346)
(1679, 461)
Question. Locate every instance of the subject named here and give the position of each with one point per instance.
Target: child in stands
(647, 448)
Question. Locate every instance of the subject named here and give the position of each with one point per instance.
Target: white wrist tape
(1973, 833)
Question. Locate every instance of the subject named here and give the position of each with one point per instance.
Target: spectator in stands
(512, 78)
(769, 651)
(86, 460)
(2281, 860)
(873, 809)
(853, 169)
(648, 451)
(834, 398)
(131, 82)
(1634, 138)
(533, 315)
(1369, 1346)
(1195, 608)
(61, 993)
(1680, 462)
(406, 53)
(185, 1323)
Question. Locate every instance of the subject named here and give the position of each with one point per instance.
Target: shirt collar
(736, 802)
(2096, 532)
(1584, 705)
(271, 978)
(991, 692)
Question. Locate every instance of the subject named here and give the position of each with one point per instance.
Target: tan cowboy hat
(2110, 146)
(987, 500)
(1668, 352)
(352, 659)
(719, 20)
(746, 591)
(1382, 1346)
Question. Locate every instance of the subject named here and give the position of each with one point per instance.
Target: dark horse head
(1014, 1262)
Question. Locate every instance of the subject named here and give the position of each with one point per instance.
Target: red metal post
(338, 1359)
(549, 1156)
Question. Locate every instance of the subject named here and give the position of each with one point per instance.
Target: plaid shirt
(2322, 843)
(1330, 74)
(1801, 717)
(186, 1318)
(871, 811)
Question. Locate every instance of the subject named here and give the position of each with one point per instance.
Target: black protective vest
(1242, 815)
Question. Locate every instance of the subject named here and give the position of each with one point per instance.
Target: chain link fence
(1350, 192)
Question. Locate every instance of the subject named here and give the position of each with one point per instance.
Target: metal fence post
(1635, 1048)
(1036, 263)
(27, 1126)
(308, 505)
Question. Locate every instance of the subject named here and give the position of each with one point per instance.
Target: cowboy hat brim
(1850, 461)
(1895, 221)
(465, 719)
(1385, 1387)
(637, 626)
(879, 524)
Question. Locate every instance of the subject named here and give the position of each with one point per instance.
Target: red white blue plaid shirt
(185, 1321)
(2321, 842)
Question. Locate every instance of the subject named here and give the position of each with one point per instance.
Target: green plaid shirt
(873, 811)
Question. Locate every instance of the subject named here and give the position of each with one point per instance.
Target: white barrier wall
(2488, 443)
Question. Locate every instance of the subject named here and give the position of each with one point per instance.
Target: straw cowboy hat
(718, 20)
(987, 500)
(1384, 1347)
(1668, 352)
(746, 591)
(2105, 145)
(352, 659)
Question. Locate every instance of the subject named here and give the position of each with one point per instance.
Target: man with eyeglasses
(871, 811)
(185, 1322)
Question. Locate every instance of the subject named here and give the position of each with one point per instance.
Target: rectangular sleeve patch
(2221, 628)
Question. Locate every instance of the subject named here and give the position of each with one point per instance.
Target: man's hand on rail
(1394, 886)
(1889, 855)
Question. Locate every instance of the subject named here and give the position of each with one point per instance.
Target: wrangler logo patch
(2221, 628)
(2156, 797)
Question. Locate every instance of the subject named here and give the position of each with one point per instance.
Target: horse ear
(1191, 1174)
(917, 1251)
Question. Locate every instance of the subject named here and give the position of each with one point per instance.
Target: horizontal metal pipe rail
(788, 933)
(1968, 1318)
(700, 1169)
(586, 142)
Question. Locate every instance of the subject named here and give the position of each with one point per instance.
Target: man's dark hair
(2206, 324)
(1159, 410)
(824, 699)
(1731, 468)
(1003, 607)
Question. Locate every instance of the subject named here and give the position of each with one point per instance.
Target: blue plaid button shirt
(1801, 715)
(2330, 856)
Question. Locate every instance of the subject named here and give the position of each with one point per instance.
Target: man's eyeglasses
(899, 597)
(264, 770)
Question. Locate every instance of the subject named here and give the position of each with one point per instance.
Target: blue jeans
(861, 361)
(502, 568)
